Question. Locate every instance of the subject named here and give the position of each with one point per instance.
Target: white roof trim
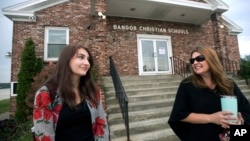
(184, 3)
(233, 28)
(19, 12)
(218, 5)
(25, 11)
(215, 5)
(23, 5)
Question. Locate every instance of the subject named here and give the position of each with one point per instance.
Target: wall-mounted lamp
(101, 15)
(92, 24)
(221, 26)
(32, 18)
(8, 54)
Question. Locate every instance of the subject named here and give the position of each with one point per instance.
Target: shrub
(39, 80)
(10, 130)
(25, 77)
(95, 74)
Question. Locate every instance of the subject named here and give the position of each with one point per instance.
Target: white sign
(150, 29)
(162, 51)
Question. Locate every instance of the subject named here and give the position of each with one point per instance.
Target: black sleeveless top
(74, 124)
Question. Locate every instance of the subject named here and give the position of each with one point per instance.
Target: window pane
(162, 55)
(148, 55)
(54, 50)
(57, 36)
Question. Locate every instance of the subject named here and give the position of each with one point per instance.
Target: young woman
(196, 114)
(68, 107)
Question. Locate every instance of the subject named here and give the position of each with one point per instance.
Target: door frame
(139, 48)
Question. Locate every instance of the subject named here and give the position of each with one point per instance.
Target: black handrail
(235, 68)
(120, 95)
(246, 72)
(230, 67)
(183, 68)
(180, 67)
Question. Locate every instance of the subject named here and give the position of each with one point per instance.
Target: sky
(238, 13)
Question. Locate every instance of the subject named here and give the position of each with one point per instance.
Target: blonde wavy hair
(224, 85)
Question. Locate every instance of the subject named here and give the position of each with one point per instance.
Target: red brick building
(141, 36)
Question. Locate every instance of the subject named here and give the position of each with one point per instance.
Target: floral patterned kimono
(46, 114)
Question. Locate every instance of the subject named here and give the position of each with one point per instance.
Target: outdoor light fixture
(8, 54)
(101, 15)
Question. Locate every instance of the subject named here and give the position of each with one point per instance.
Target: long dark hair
(224, 85)
(61, 78)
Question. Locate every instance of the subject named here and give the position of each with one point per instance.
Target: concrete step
(153, 84)
(240, 82)
(142, 97)
(140, 91)
(158, 135)
(139, 127)
(134, 116)
(150, 103)
(141, 80)
(141, 106)
(145, 77)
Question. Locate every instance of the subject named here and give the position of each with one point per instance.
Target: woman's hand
(223, 118)
(240, 120)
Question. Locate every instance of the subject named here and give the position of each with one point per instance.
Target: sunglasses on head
(199, 58)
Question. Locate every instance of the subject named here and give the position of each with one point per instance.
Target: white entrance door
(154, 52)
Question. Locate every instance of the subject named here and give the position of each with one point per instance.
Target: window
(55, 39)
(13, 88)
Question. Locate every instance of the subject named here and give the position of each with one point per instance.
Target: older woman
(197, 114)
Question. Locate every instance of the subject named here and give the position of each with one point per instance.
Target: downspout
(92, 3)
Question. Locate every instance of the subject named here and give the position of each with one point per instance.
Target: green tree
(28, 69)
(39, 65)
(245, 67)
(247, 58)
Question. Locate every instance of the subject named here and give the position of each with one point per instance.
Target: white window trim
(12, 88)
(46, 38)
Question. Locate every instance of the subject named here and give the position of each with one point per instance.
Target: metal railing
(236, 69)
(180, 67)
(230, 67)
(183, 68)
(245, 72)
(120, 95)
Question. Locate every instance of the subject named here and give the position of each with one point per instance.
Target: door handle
(154, 54)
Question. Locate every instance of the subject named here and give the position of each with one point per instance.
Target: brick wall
(122, 45)
(74, 14)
